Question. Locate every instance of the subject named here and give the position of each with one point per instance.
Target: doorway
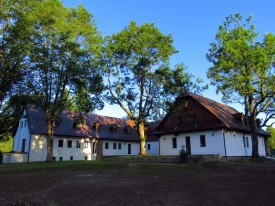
(188, 145)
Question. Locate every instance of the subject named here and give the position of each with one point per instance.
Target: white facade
(152, 148)
(114, 148)
(218, 142)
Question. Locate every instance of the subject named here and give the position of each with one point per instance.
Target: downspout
(225, 154)
(29, 148)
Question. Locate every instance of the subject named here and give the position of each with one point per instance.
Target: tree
(243, 70)
(64, 43)
(13, 44)
(271, 140)
(140, 80)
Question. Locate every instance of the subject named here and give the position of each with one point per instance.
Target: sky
(193, 25)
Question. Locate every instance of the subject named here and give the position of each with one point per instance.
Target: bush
(183, 155)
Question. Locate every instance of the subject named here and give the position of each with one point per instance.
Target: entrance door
(23, 145)
(129, 149)
(188, 145)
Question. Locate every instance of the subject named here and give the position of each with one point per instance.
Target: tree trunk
(254, 136)
(99, 149)
(142, 139)
(50, 137)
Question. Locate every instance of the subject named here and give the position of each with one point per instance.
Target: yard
(120, 183)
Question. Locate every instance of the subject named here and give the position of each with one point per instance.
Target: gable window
(25, 123)
(86, 144)
(60, 143)
(77, 144)
(148, 146)
(69, 143)
(119, 145)
(174, 142)
(202, 141)
(113, 128)
(21, 125)
(106, 145)
(114, 145)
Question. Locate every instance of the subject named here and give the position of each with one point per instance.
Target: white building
(112, 136)
(202, 127)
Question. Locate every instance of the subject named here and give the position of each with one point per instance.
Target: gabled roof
(37, 125)
(227, 115)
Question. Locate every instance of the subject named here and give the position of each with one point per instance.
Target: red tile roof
(229, 118)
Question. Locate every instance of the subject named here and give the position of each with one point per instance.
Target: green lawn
(94, 165)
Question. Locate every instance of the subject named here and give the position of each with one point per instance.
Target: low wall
(15, 157)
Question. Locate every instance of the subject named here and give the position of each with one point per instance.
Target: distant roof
(37, 125)
(226, 114)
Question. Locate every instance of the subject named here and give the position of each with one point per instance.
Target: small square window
(77, 144)
(106, 145)
(114, 145)
(60, 158)
(86, 158)
(148, 146)
(202, 141)
(69, 143)
(60, 143)
(71, 158)
(54, 158)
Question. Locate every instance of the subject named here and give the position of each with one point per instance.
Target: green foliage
(6, 146)
(243, 69)
(271, 140)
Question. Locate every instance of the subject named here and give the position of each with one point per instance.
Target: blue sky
(193, 25)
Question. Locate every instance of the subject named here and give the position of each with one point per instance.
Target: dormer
(128, 129)
(113, 127)
(58, 121)
(77, 124)
(97, 126)
(240, 117)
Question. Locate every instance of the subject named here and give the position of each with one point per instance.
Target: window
(119, 145)
(77, 144)
(106, 145)
(25, 123)
(114, 145)
(69, 143)
(86, 158)
(54, 158)
(148, 146)
(86, 144)
(174, 142)
(60, 143)
(247, 142)
(60, 158)
(94, 148)
(71, 158)
(23, 145)
(21, 125)
(202, 141)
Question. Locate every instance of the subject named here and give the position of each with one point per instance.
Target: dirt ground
(210, 184)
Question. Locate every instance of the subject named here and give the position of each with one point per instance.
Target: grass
(96, 166)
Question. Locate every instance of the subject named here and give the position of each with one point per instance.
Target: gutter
(225, 154)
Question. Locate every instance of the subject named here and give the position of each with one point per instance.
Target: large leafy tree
(271, 141)
(140, 80)
(14, 45)
(243, 70)
(64, 43)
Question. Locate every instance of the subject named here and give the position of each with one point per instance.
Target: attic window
(128, 130)
(113, 128)
(77, 124)
(97, 126)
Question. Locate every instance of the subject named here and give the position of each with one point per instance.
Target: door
(129, 149)
(188, 145)
(23, 145)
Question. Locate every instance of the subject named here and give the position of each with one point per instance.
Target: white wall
(135, 148)
(154, 148)
(215, 141)
(21, 133)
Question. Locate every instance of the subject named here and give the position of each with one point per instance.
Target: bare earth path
(206, 184)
